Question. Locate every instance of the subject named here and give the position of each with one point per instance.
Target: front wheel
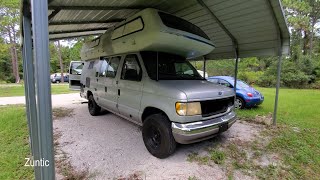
(94, 108)
(157, 136)
(239, 104)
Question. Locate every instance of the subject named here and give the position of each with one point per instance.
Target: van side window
(91, 65)
(131, 69)
(113, 67)
(103, 68)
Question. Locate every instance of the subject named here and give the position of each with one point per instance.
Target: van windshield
(171, 67)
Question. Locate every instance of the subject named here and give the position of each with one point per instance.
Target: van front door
(108, 93)
(130, 87)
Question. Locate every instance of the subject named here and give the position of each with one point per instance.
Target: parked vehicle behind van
(139, 71)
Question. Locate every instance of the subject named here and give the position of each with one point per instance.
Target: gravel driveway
(111, 147)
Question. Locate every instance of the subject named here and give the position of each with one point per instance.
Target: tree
(58, 47)
(9, 26)
(302, 17)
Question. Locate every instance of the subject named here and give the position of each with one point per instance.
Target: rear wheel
(239, 104)
(157, 136)
(93, 107)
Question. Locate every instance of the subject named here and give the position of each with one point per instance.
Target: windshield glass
(76, 68)
(171, 67)
(241, 84)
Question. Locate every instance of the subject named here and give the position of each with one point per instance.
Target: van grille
(217, 106)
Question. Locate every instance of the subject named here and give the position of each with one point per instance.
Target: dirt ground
(112, 148)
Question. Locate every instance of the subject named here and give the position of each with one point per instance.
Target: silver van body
(132, 99)
(139, 71)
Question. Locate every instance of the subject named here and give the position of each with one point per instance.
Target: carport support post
(43, 87)
(236, 69)
(278, 84)
(204, 66)
(29, 84)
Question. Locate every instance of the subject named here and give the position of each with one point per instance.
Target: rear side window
(224, 83)
(117, 32)
(128, 28)
(113, 67)
(133, 26)
(131, 69)
(181, 24)
(213, 81)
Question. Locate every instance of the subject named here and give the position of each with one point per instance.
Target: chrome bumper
(201, 130)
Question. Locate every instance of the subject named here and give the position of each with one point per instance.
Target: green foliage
(14, 142)
(8, 90)
(217, 156)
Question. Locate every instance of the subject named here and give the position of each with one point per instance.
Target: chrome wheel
(239, 103)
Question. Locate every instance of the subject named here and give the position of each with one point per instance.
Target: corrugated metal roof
(252, 24)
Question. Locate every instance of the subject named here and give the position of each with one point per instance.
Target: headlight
(188, 109)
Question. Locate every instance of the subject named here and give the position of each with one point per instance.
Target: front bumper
(254, 101)
(201, 130)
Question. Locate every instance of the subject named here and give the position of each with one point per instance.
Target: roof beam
(97, 7)
(77, 31)
(85, 22)
(53, 14)
(234, 40)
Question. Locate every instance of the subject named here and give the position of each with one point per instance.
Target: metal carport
(239, 28)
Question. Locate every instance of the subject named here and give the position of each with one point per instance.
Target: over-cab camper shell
(150, 30)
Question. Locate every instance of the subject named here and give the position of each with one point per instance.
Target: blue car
(247, 96)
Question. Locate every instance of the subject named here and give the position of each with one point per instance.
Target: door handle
(105, 89)
(118, 92)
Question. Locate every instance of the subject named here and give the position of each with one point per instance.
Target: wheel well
(244, 102)
(151, 110)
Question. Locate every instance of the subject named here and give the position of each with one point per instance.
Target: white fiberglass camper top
(150, 30)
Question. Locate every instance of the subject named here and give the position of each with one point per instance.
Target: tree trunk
(305, 42)
(60, 59)
(312, 34)
(17, 76)
(14, 58)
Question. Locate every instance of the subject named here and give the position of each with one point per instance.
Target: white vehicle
(140, 72)
(74, 74)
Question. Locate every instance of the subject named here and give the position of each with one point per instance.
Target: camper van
(140, 71)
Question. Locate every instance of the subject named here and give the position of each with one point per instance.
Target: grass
(14, 144)
(8, 90)
(297, 137)
(293, 146)
(297, 107)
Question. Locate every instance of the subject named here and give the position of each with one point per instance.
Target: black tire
(93, 107)
(157, 136)
(241, 103)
